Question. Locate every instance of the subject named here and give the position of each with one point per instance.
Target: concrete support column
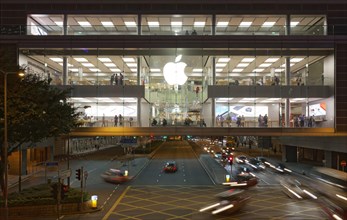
(328, 159)
(287, 101)
(65, 25)
(287, 29)
(213, 110)
(139, 124)
(214, 24)
(214, 71)
(138, 79)
(139, 24)
(65, 70)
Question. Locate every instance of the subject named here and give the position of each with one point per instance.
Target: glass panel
(308, 25)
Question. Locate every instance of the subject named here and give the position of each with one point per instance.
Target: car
(115, 176)
(241, 159)
(170, 167)
(256, 164)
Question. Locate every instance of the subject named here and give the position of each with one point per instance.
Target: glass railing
(44, 30)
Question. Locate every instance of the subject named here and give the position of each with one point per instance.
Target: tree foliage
(35, 111)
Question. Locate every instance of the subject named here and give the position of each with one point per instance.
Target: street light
(5, 145)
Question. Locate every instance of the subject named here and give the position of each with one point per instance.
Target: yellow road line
(116, 203)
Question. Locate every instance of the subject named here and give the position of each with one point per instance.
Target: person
(164, 122)
(298, 81)
(103, 121)
(260, 120)
(187, 32)
(112, 79)
(265, 119)
(277, 81)
(310, 122)
(243, 121)
(238, 121)
(120, 118)
(197, 90)
(154, 122)
(221, 121)
(131, 119)
(228, 120)
(121, 77)
(116, 79)
(236, 82)
(115, 120)
(203, 124)
(194, 32)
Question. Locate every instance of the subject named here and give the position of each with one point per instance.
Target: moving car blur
(115, 176)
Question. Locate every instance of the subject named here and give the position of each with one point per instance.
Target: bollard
(227, 178)
(94, 201)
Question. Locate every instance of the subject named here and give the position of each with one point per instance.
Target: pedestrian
(277, 81)
(120, 119)
(164, 122)
(130, 121)
(112, 79)
(243, 121)
(197, 90)
(115, 120)
(103, 121)
(260, 120)
(265, 119)
(121, 77)
(117, 79)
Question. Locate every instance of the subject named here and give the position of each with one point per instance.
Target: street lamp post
(5, 145)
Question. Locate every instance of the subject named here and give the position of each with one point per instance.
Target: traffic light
(63, 189)
(230, 160)
(78, 174)
(54, 191)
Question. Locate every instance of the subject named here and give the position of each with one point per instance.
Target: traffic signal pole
(81, 177)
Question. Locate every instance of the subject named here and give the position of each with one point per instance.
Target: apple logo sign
(174, 72)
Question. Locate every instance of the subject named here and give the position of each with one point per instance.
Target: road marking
(109, 197)
(116, 203)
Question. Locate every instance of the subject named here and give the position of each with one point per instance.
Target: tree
(36, 111)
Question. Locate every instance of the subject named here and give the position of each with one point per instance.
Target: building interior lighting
(94, 69)
(128, 59)
(155, 70)
(221, 64)
(107, 23)
(176, 23)
(197, 70)
(294, 23)
(242, 65)
(247, 60)
(88, 64)
(245, 24)
(223, 60)
(133, 70)
(237, 70)
(84, 23)
(153, 23)
(115, 70)
(56, 59)
(271, 60)
(219, 70)
(110, 64)
(130, 23)
(222, 23)
(59, 23)
(258, 70)
(268, 24)
(199, 24)
(69, 64)
(296, 60)
(104, 59)
(81, 59)
(265, 64)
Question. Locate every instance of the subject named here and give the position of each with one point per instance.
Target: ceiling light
(249, 99)
(88, 64)
(104, 59)
(294, 23)
(245, 24)
(223, 60)
(176, 23)
(279, 70)
(115, 70)
(237, 70)
(197, 70)
(128, 59)
(221, 64)
(199, 24)
(265, 64)
(222, 23)
(258, 70)
(84, 23)
(219, 70)
(153, 23)
(94, 69)
(242, 65)
(132, 64)
(59, 23)
(110, 64)
(247, 60)
(133, 69)
(296, 60)
(107, 23)
(155, 70)
(56, 59)
(298, 99)
(73, 69)
(130, 23)
(271, 60)
(223, 99)
(81, 60)
(268, 24)
(274, 99)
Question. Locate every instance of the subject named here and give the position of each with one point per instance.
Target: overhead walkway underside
(202, 131)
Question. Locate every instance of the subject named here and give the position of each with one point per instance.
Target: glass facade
(226, 87)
